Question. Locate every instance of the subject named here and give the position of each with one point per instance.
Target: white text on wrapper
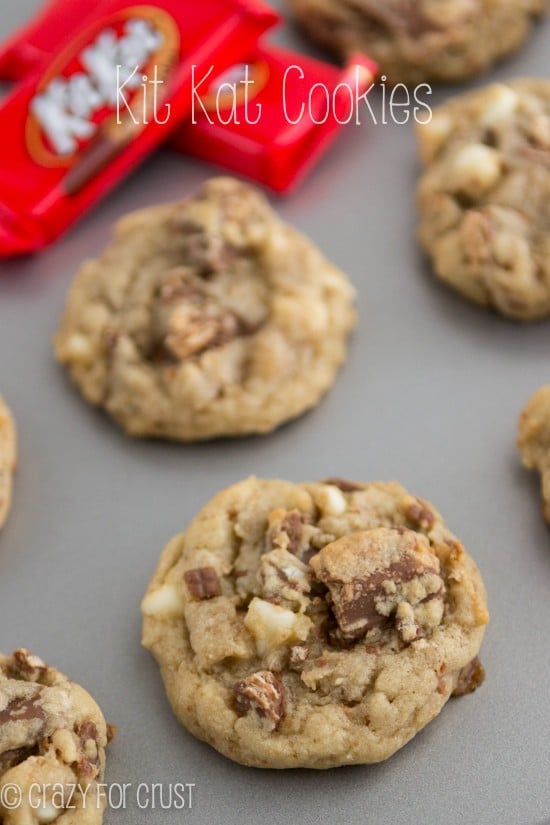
(111, 67)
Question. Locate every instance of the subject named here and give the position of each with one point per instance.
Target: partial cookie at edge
(415, 41)
(484, 196)
(534, 441)
(8, 457)
(52, 736)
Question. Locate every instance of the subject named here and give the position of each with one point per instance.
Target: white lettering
(197, 99)
(66, 107)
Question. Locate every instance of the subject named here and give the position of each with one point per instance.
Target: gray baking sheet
(430, 396)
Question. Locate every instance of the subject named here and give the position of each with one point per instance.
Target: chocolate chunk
(469, 678)
(344, 485)
(203, 583)
(262, 692)
(293, 526)
(204, 250)
(379, 581)
(23, 709)
(282, 577)
(420, 516)
(286, 531)
(87, 731)
(192, 324)
(28, 667)
(357, 612)
(332, 634)
(89, 761)
(9, 759)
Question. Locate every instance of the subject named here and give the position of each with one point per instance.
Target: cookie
(484, 196)
(206, 318)
(52, 746)
(534, 441)
(415, 41)
(314, 625)
(7, 460)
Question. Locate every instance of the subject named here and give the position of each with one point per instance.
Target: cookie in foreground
(421, 40)
(205, 318)
(8, 457)
(314, 625)
(484, 196)
(52, 746)
(534, 441)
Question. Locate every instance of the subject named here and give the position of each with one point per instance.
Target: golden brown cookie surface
(207, 318)
(314, 625)
(421, 40)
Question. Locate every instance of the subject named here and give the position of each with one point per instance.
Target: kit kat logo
(99, 84)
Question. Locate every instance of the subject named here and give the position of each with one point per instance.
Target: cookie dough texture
(484, 196)
(534, 441)
(314, 625)
(415, 41)
(52, 737)
(7, 460)
(206, 318)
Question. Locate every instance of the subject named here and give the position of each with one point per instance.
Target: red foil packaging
(271, 116)
(112, 93)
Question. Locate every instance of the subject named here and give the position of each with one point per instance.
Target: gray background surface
(430, 396)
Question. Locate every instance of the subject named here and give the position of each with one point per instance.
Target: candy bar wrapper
(272, 116)
(113, 93)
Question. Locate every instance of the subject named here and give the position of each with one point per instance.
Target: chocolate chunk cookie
(314, 625)
(485, 196)
(7, 460)
(52, 746)
(421, 40)
(206, 318)
(534, 441)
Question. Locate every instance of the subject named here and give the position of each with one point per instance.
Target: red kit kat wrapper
(270, 117)
(109, 97)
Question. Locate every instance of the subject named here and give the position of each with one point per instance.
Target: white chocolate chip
(64, 742)
(502, 106)
(433, 133)
(277, 239)
(78, 348)
(167, 602)
(273, 626)
(47, 812)
(475, 169)
(331, 501)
